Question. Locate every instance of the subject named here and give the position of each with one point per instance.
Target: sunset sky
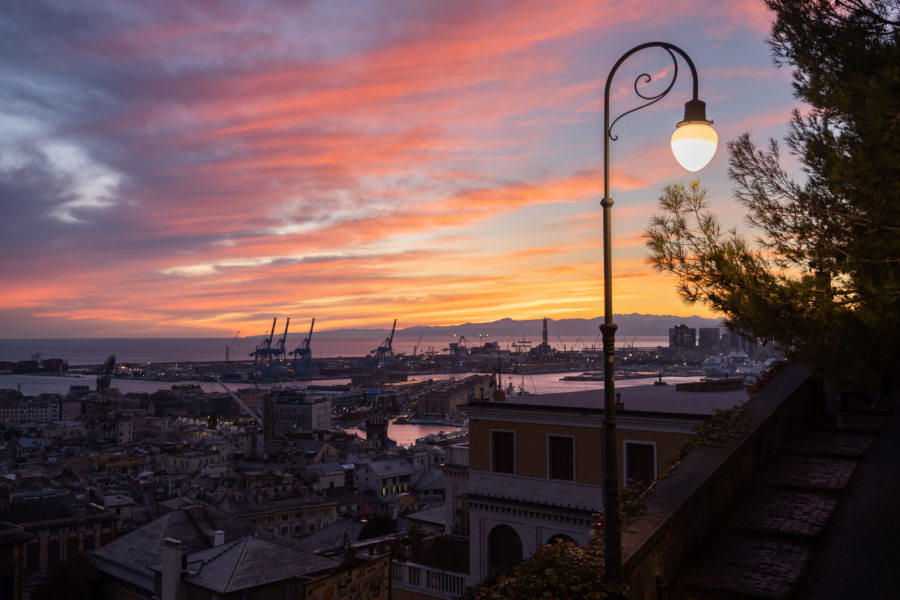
(197, 168)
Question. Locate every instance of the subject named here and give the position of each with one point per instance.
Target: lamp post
(693, 143)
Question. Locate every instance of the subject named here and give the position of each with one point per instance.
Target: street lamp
(693, 143)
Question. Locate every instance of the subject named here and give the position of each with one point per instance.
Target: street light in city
(693, 143)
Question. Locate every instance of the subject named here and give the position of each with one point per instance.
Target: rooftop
(249, 563)
(330, 537)
(644, 398)
(130, 556)
(392, 468)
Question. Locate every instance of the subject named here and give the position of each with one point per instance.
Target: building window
(561, 457)
(503, 451)
(640, 462)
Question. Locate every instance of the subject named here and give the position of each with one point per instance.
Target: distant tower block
(545, 332)
(376, 431)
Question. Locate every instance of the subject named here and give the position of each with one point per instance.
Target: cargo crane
(303, 366)
(412, 361)
(262, 356)
(459, 353)
(384, 354)
(105, 374)
(278, 362)
(228, 348)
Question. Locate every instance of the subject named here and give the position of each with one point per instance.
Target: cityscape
(299, 455)
(413, 301)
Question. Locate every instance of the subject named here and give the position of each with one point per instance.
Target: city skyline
(195, 170)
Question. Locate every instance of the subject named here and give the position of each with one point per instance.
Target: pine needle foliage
(822, 279)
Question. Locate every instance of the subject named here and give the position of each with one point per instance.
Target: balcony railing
(433, 582)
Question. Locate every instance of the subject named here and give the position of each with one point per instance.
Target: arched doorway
(504, 549)
(560, 537)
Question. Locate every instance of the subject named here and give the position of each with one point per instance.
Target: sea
(538, 383)
(183, 350)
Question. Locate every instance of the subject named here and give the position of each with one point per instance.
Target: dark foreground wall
(686, 508)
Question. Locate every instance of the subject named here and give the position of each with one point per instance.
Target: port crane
(105, 375)
(384, 354)
(279, 355)
(228, 348)
(459, 352)
(302, 354)
(262, 356)
(561, 342)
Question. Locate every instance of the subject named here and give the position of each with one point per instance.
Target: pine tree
(823, 279)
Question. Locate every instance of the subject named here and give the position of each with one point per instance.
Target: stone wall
(686, 508)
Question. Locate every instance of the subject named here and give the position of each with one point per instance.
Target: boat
(426, 421)
(521, 391)
(714, 366)
(590, 376)
(740, 364)
(436, 438)
(735, 364)
(522, 345)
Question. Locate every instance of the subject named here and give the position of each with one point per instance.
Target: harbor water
(177, 350)
(539, 383)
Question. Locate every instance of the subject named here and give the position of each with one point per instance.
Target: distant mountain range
(629, 325)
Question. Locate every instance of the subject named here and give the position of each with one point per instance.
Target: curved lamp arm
(694, 141)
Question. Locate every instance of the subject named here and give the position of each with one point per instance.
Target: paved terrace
(858, 555)
(801, 508)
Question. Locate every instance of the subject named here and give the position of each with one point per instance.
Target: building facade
(447, 399)
(191, 462)
(41, 409)
(535, 471)
(682, 336)
(301, 413)
(709, 338)
(57, 526)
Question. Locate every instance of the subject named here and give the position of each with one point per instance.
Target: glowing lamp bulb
(694, 144)
(694, 140)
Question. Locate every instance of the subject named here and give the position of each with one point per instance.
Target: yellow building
(535, 469)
